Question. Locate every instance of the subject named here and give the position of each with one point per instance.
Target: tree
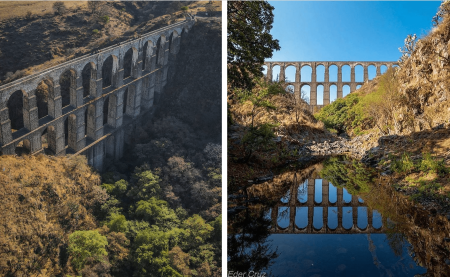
(249, 40)
(59, 7)
(86, 244)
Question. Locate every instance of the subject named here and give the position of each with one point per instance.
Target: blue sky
(347, 30)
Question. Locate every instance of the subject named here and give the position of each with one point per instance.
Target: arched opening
(377, 220)
(359, 73)
(290, 89)
(109, 71)
(320, 73)
(289, 74)
(345, 90)
(333, 73)
(332, 221)
(358, 86)
(43, 91)
(383, 69)
(23, 147)
(305, 93)
(333, 93)
(276, 73)
(68, 86)
(301, 217)
(318, 218)
(362, 221)
(45, 142)
(89, 76)
(346, 73)
(105, 110)
(347, 218)
(160, 51)
(283, 217)
(15, 110)
(129, 63)
(264, 70)
(372, 71)
(66, 131)
(305, 73)
(320, 95)
(124, 102)
(146, 61)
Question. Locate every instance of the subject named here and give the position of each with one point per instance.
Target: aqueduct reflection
(316, 206)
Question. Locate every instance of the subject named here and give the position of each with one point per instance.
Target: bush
(95, 31)
(105, 19)
(405, 164)
(28, 15)
(59, 7)
(185, 8)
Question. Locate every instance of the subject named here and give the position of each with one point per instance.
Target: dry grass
(43, 200)
(12, 9)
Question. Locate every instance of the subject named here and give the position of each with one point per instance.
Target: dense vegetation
(372, 108)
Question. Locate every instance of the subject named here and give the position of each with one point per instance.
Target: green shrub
(185, 8)
(404, 164)
(430, 164)
(105, 19)
(95, 31)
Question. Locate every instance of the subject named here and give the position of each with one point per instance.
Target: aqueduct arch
(310, 69)
(71, 98)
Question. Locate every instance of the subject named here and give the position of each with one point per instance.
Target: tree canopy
(249, 40)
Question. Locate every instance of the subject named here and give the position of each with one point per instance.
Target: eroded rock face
(425, 83)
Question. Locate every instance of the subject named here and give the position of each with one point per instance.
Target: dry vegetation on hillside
(44, 199)
(31, 43)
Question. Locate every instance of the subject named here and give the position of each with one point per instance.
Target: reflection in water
(374, 233)
(318, 191)
(302, 192)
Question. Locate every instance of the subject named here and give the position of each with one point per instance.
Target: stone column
(80, 130)
(72, 132)
(366, 73)
(313, 94)
(60, 138)
(339, 82)
(369, 218)
(352, 74)
(355, 205)
(325, 192)
(55, 102)
(327, 74)
(30, 112)
(310, 197)
(269, 71)
(313, 73)
(119, 144)
(282, 73)
(378, 70)
(5, 127)
(326, 94)
(297, 73)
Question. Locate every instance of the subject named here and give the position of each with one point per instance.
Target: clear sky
(347, 30)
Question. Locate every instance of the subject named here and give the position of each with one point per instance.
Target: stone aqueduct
(326, 83)
(292, 204)
(106, 93)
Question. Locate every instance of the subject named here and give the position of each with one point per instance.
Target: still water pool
(334, 218)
